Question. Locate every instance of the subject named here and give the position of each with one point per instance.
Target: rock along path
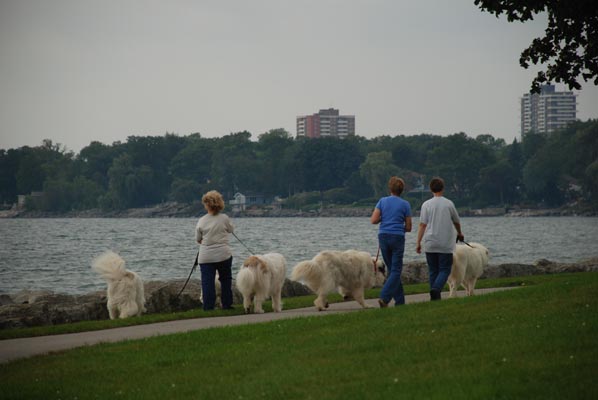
(12, 349)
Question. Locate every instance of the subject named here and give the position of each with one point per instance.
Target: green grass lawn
(288, 303)
(537, 342)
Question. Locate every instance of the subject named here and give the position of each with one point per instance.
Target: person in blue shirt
(394, 216)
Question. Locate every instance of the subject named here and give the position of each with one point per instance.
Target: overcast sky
(78, 71)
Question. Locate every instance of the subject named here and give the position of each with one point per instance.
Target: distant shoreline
(176, 210)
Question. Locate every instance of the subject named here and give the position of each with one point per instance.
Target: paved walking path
(13, 349)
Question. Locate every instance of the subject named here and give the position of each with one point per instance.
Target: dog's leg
(321, 302)
(258, 304)
(473, 282)
(276, 302)
(112, 310)
(358, 295)
(140, 298)
(247, 303)
(346, 293)
(129, 309)
(470, 286)
(452, 288)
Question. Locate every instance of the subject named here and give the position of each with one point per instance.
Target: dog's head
(483, 250)
(380, 272)
(255, 262)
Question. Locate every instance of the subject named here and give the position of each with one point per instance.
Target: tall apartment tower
(548, 111)
(326, 123)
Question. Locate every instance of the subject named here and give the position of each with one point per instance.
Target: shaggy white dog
(351, 272)
(125, 288)
(468, 266)
(262, 276)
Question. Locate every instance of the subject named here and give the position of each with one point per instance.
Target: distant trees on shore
(145, 170)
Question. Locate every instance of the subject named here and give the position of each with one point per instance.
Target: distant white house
(22, 199)
(240, 201)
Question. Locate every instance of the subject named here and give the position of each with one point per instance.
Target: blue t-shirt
(393, 212)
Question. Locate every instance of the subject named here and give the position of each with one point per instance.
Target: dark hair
(396, 185)
(436, 185)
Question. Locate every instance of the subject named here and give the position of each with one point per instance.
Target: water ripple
(56, 254)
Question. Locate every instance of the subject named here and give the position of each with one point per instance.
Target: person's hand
(460, 237)
(418, 248)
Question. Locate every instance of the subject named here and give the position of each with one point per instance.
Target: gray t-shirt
(213, 231)
(439, 214)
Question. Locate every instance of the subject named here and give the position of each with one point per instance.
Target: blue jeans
(208, 287)
(392, 248)
(439, 266)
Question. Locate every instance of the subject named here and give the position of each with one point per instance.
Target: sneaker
(382, 303)
(435, 295)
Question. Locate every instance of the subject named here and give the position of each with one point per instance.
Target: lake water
(56, 254)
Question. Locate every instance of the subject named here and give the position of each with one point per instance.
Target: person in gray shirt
(211, 232)
(439, 227)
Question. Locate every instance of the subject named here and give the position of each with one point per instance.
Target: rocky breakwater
(36, 308)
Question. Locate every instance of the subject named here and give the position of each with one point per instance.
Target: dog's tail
(110, 266)
(305, 270)
(246, 279)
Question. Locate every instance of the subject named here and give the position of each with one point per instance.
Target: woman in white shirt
(211, 233)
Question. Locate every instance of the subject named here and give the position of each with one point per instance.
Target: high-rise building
(547, 111)
(326, 123)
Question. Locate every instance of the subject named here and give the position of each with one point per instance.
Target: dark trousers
(392, 248)
(439, 266)
(208, 286)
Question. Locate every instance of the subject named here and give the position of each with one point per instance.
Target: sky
(77, 71)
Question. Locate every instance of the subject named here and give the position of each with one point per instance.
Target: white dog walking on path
(262, 276)
(351, 272)
(125, 292)
(469, 262)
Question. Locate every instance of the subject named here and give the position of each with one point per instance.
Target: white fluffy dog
(125, 288)
(259, 277)
(468, 266)
(351, 272)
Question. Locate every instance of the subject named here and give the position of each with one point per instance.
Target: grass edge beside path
(289, 303)
(538, 342)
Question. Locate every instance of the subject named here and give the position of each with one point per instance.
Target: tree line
(484, 171)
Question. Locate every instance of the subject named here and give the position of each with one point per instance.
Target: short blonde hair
(213, 201)
(396, 185)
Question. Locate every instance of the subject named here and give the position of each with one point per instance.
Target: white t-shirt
(439, 214)
(213, 231)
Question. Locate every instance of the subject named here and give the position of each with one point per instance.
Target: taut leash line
(196, 263)
(190, 273)
(240, 241)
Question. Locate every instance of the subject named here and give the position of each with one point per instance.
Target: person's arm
(457, 222)
(460, 236)
(230, 228)
(408, 224)
(376, 216)
(420, 234)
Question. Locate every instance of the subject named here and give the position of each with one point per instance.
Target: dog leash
(240, 241)
(195, 264)
(463, 241)
(376, 260)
